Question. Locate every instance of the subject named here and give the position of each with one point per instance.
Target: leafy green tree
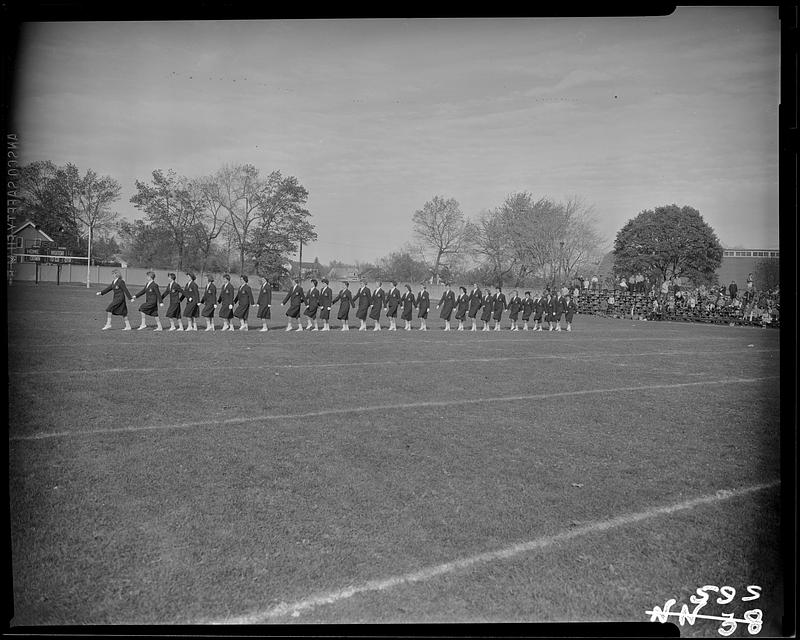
(665, 242)
(766, 274)
(144, 245)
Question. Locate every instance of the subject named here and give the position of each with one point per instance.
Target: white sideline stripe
(562, 340)
(427, 573)
(385, 407)
(216, 367)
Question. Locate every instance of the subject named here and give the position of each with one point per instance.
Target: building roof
(30, 224)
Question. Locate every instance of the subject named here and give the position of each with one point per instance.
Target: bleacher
(636, 305)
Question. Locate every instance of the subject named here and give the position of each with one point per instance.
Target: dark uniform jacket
(345, 300)
(244, 296)
(209, 299)
(527, 307)
(225, 300)
(539, 308)
(446, 304)
(408, 305)
(392, 302)
(174, 291)
(118, 306)
(423, 303)
(325, 302)
(192, 295)
(463, 303)
(364, 298)
(264, 301)
(294, 298)
(378, 302)
(312, 302)
(499, 305)
(560, 307)
(475, 302)
(488, 307)
(152, 297)
(514, 305)
(571, 310)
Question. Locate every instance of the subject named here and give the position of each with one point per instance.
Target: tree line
(240, 219)
(232, 219)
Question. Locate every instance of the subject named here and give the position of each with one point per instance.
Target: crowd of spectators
(639, 298)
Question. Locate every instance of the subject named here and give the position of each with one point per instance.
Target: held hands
(97, 294)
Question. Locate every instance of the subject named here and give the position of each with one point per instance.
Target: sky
(375, 117)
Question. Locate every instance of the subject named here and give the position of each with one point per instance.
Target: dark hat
(171, 275)
(325, 280)
(314, 281)
(190, 274)
(226, 276)
(244, 277)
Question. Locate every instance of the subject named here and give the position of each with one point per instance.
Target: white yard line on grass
(385, 407)
(294, 609)
(338, 365)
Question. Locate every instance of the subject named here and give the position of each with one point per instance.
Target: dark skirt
(391, 313)
(422, 313)
(149, 309)
(444, 314)
(461, 313)
(498, 315)
(361, 314)
(264, 312)
(513, 315)
(242, 311)
(226, 311)
(538, 315)
(311, 312)
(487, 314)
(191, 310)
(407, 313)
(324, 313)
(569, 316)
(118, 308)
(293, 312)
(344, 312)
(174, 310)
(526, 315)
(375, 314)
(208, 311)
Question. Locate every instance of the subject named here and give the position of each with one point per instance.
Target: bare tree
(439, 226)
(88, 199)
(210, 217)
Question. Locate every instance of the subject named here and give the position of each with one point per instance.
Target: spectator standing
(733, 289)
(595, 282)
(749, 281)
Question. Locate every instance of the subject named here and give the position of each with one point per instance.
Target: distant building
(28, 239)
(737, 263)
(347, 272)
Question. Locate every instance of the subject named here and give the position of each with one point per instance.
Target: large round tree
(668, 241)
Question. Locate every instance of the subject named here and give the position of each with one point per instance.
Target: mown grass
(166, 492)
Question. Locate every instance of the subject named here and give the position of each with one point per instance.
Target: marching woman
(264, 303)
(488, 308)
(527, 308)
(312, 306)
(499, 306)
(447, 302)
(325, 302)
(209, 301)
(549, 305)
(378, 303)
(570, 311)
(475, 302)
(174, 292)
(294, 298)
(559, 308)
(118, 307)
(408, 306)
(423, 304)
(345, 299)
(225, 302)
(538, 311)
(191, 310)
(150, 305)
(461, 311)
(514, 305)
(244, 296)
(364, 298)
(392, 303)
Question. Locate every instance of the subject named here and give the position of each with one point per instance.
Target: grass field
(387, 477)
